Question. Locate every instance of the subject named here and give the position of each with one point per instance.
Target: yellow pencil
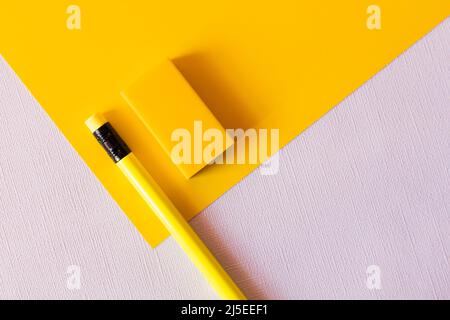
(161, 205)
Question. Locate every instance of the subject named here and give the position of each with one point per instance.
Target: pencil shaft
(179, 228)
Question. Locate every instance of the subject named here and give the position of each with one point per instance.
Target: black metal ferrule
(113, 144)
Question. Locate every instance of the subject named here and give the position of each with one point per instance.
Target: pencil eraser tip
(95, 121)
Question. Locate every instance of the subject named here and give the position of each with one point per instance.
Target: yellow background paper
(261, 64)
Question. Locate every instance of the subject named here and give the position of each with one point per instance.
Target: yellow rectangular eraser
(177, 117)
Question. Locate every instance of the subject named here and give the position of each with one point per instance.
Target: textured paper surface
(256, 65)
